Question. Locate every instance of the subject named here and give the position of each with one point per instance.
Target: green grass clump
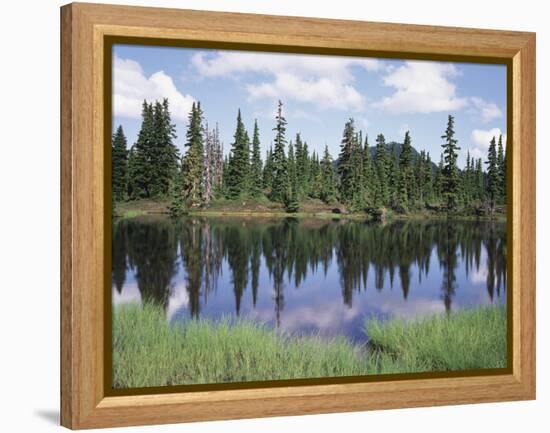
(133, 213)
(464, 340)
(147, 351)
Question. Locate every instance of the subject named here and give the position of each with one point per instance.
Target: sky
(319, 93)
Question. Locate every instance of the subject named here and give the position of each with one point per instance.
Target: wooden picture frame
(85, 400)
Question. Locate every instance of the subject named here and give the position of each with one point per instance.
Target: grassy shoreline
(132, 209)
(147, 351)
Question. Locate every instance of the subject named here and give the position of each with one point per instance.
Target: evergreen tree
(315, 176)
(291, 199)
(302, 166)
(394, 175)
(256, 180)
(450, 179)
(192, 164)
(280, 173)
(328, 188)
(502, 169)
(438, 182)
(119, 164)
(268, 170)
(406, 175)
(479, 180)
(239, 162)
(132, 175)
(346, 169)
(421, 176)
(494, 182)
(427, 191)
(142, 168)
(382, 171)
(164, 154)
(369, 175)
(178, 206)
(357, 190)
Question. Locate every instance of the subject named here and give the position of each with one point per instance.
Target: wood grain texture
(84, 26)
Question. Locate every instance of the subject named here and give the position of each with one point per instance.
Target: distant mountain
(397, 151)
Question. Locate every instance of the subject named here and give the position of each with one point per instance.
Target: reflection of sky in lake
(316, 305)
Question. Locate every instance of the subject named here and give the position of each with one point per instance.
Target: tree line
(363, 177)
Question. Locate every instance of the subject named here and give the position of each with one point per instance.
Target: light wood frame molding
(84, 400)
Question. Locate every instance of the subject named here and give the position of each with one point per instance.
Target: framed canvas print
(266, 215)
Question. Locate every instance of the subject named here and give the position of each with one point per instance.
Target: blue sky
(319, 94)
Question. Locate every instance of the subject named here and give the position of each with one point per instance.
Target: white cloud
(325, 82)
(487, 111)
(131, 87)
(481, 139)
(422, 87)
(324, 92)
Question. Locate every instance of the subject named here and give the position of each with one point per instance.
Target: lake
(307, 276)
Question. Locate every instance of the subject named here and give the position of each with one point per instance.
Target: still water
(307, 276)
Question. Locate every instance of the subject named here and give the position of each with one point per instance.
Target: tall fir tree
(346, 169)
(406, 174)
(479, 180)
(302, 166)
(239, 162)
(256, 180)
(428, 190)
(268, 170)
(450, 179)
(394, 175)
(438, 179)
(291, 199)
(119, 164)
(369, 175)
(494, 182)
(164, 155)
(328, 188)
(192, 175)
(502, 169)
(382, 171)
(280, 173)
(142, 167)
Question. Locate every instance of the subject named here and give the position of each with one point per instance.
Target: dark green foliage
(239, 162)
(345, 163)
(406, 174)
(328, 187)
(268, 170)
(450, 180)
(423, 168)
(178, 205)
(279, 186)
(494, 181)
(142, 171)
(501, 161)
(302, 167)
(390, 175)
(382, 166)
(256, 180)
(369, 177)
(192, 164)
(119, 164)
(479, 180)
(291, 199)
(164, 154)
(155, 157)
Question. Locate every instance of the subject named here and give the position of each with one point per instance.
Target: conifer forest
(363, 178)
